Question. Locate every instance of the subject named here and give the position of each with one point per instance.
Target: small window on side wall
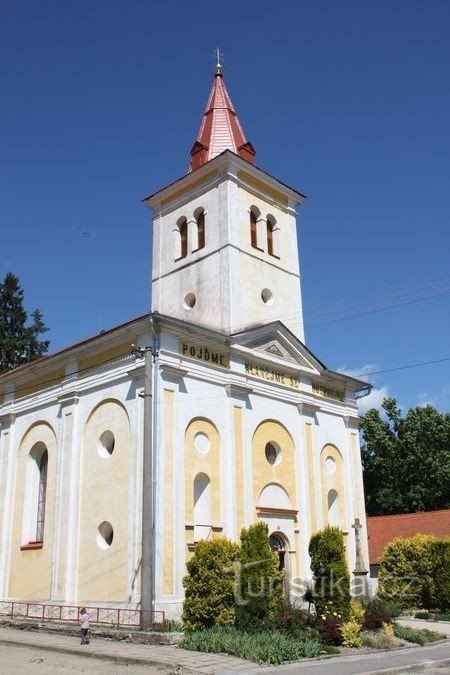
(200, 220)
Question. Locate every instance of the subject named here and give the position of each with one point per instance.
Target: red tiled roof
(220, 129)
(382, 530)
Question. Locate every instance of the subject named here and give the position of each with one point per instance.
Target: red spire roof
(220, 128)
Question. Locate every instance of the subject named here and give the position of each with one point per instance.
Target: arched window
(35, 497)
(200, 220)
(202, 507)
(271, 230)
(42, 492)
(253, 228)
(183, 230)
(333, 508)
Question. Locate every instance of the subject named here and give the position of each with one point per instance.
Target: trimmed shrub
(260, 596)
(406, 571)
(330, 572)
(269, 648)
(440, 562)
(210, 585)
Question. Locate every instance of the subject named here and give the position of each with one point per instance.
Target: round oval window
(105, 535)
(106, 444)
(273, 453)
(189, 301)
(267, 296)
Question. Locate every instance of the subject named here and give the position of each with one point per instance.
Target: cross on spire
(219, 56)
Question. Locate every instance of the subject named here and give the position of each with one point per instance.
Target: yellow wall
(333, 481)
(30, 569)
(209, 464)
(240, 483)
(104, 497)
(285, 472)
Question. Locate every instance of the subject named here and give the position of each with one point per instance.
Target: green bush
(419, 637)
(268, 647)
(292, 620)
(423, 615)
(330, 572)
(210, 585)
(260, 596)
(387, 610)
(351, 633)
(440, 562)
(406, 572)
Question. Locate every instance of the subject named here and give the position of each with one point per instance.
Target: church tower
(225, 250)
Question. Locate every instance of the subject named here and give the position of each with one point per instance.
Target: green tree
(210, 585)
(406, 459)
(330, 573)
(19, 342)
(260, 593)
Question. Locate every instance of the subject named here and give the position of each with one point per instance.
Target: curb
(423, 666)
(163, 667)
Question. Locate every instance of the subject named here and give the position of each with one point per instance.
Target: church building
(119, 453)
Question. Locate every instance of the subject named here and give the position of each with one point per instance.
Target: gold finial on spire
(218, 64)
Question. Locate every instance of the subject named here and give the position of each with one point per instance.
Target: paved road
(16, 660)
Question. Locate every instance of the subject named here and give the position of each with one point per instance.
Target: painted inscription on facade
(205, 353)
(328, 392)
(271, 375)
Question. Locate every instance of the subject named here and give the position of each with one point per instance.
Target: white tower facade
(225, 251)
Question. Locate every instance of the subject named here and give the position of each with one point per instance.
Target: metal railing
(102, 616)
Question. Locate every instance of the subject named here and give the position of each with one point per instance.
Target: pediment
(276, 342)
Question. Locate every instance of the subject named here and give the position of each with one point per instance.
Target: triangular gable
(275, 341)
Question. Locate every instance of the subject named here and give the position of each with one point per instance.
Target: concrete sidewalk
(166, 658)
(171, 659)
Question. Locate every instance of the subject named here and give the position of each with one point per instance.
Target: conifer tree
(19, 342)
(261, 582)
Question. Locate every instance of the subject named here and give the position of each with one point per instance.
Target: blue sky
(347, 101)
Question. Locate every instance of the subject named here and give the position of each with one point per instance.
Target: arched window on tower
(253, 227)
(200, 220)
(182, 227)
(271, 236)
(202, 507)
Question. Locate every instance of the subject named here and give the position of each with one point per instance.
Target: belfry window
(253, 228)
(181, 245)
(200, 220)
(271, 234)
